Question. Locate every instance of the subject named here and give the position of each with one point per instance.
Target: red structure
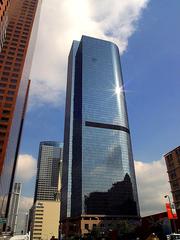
(15, 63)
(4, 5)
(154, 220)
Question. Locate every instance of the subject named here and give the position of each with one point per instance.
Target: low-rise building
(45, 220)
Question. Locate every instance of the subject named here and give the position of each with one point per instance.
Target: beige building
(45, 222)
(85, 224)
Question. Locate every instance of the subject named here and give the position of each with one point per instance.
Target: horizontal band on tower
(107, 126)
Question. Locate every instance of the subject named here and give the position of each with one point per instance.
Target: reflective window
(103, 170)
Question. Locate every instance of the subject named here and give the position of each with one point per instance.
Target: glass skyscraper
(48, 180)
(98, 168)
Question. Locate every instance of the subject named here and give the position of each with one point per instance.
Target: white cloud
(26, 168)
(153, 185)
(25, 204)
(66, 20)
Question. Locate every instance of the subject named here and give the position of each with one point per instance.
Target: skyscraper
(14, 208)
(4, 5)
(48, 178)
(45, 212)
(15, 63)
(172, 159)
(98, 169)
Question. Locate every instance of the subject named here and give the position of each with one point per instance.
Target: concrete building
(15, 64)
(172, 159)
(14, 208)
(4, 5)
(98, 170)
(45, 220)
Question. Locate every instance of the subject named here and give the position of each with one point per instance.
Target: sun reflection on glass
(118, 90)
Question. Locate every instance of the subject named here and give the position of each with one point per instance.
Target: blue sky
(150, 56)
(152, 73)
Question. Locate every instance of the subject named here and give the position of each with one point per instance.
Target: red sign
(171, 211)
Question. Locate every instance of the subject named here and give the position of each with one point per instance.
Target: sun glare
(118, 90)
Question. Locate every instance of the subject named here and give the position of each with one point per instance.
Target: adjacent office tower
(48, 181)
(98, 168)
(4, 4)
(15, 63)
(14, 207)
(46, 209)
(172, 159)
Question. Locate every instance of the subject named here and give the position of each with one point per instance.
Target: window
(18, 59)
(6, 73)
(13, 80)
(1, 143)
(11, 53)
(86, 226)
(6, 112)
(177, 195)
(37, 221)
(177, 152)
(12, 86)
(11, 92)
(8, 63)
(4, 119)
(3, 85)
(172, 174)
(38, 225)
(3, 126)
(7, 105)
(3, 79)
(175, 184)
(170, 158)
(2, 134)
(16, 69)
(7, 68)
(10, 58)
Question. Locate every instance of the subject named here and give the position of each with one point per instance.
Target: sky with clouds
(148, 37)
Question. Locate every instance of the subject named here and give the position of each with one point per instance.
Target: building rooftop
(171, 151)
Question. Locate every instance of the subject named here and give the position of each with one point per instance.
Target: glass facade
(49, 171)
(68, 133)
(103, 177)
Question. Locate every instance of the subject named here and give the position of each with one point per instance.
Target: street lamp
(173, 220)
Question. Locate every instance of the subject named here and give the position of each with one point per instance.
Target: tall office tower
(15, 63)
(49, 166)
(172, 159)
(98, 169)
(44, 219)
(4, 4)
(14, 207)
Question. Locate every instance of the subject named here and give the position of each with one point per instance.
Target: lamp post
(173, 220)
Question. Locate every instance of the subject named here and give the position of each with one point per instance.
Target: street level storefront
(98, 225)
